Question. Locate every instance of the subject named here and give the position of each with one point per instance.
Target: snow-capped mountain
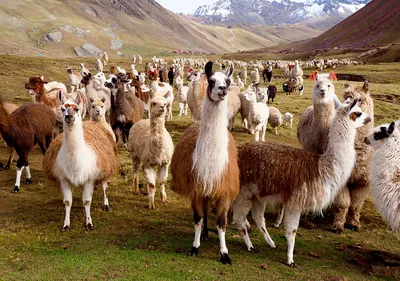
(276, 12)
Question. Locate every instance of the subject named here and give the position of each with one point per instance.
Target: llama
(243, 75)
(84, 71)
(385, 172)
(163, 89)
(27, 126)
(288, 119)
(105, 58)
(98, 113)
(299, 180)
(258, 116)
(10, 108)
(83, 155)
(96, 93)
(255, 76)
(182, 96)
(99, 65)
(196, 94)
(350, 200)
(151, 144)
(267, 73)
(74, 79)
(271, 93)
(313, 128)
(275, 118)
(240, 84)
(204, 163)
(126, 108)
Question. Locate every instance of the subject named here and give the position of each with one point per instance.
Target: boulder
(116, 44)
(54, 36)
(87, 50)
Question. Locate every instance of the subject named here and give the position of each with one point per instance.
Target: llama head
(323, 90)
(97, 108)
(113, 70)
(356, 117)
(351, 93)
(218, 83)
(82, 65)
(86, 79)
(70, 111)
(69, 70)
(250, 96)
(382, 134)
(158, 106)
(35, 84)
(194, 76)
(262, 95)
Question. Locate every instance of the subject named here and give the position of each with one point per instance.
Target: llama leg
(162, 175)
(263, 130)
(186, 108)
(276, 130)
(149, 175)
(291, 220)
(104, 185)
(20, 166)
(357, 196)
(257, 212)
(87, 195)
(222, 213)
(197, 206)
(257, 135)
(181, 109)
(67, 199)
(280, 216)
(206, 206)
(11, 158)
(341, 206)
(135, 175)
(28, 174)
(241, 207)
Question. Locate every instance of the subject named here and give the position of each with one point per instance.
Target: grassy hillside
(142, 26)
(134, 243)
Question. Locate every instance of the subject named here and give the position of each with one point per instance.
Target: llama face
(69, 70)
(218, 85)
(357, 117)
(70, 112)
(158, 106)
(323, 90)
(98, 110)
(34, 84)
(381, 134)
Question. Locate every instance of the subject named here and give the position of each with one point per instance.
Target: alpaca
(84, 71)
(299, 180)
(204, 164)
(151, 144)
(74, 79)
(258, 116)
(297, 71)
(275, 118)
(99, 65)
(350, 200)
(255, 76)
(162, 89)
(313, 128)
(243, 75)
(98, 113)
(84, 154)
(288, 119)
(126, 108)
(27, 126)
(385, 172)
(141, 91)
(96, 93)
(182, 96)
(196, 94)
(10, 108)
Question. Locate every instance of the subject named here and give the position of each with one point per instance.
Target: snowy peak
(276, 12)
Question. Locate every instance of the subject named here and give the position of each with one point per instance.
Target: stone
(116, 44)
(54, 36)
(87, 49)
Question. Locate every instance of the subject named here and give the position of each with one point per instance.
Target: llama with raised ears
(83, 155)
(204, 165)
(301, 181)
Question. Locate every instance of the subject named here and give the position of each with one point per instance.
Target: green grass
(134, 243)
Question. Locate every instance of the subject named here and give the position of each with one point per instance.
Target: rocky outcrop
(116, 44)
(53, 36)
(87, 50)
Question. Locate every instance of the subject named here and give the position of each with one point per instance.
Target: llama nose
(97, 111)
(322, 92)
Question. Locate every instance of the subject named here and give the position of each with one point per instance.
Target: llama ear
(391, 128)
(332, 76)
(208, 69)
(61, 96)
(167, 95)
(314, 76)
(353, 104)
(230, 70)
(366, 86)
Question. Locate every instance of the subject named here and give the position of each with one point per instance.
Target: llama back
(259, 160)
(183, 175)
(99, 140)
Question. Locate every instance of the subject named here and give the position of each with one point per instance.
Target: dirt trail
(232, 38)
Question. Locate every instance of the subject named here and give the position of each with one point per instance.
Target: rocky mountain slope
(70, 27)
(277, 12)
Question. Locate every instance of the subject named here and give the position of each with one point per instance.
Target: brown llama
(83, 155)
(350, 200)
(29, 125)
(204, 165)
(10, 108)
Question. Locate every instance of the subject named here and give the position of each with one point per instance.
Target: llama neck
(210, 156)
(252, 106)
(154, 85)
(323, 116)
(5, 121)
(41, 96)
(339, 159)
(73, 137)
(89, 86)
(157, 132)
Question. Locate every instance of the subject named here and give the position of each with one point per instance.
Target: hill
(55, 28)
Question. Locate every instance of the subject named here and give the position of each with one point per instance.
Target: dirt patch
(395, 98)
(373, 262)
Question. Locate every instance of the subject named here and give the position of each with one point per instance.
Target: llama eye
(102, 106)
(92, 106)
(329, 86)
(317, 86)
(376, 138)
(358, 114)
(62, 109)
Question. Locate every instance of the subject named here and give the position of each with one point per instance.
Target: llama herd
(341, 155)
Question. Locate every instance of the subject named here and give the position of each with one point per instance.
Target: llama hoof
(253, 250)
(277, 247)
(106, 208)
(65, 228)
(225, 259)
(276, 225)
(293, 265)
(204, 235)
(28, 181)
(164, 200)
(16, 189)
(353, 227)
(152, 206)
(193, 252)
(338, 230)
(89, 226)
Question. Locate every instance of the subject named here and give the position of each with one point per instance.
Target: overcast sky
(184, 6)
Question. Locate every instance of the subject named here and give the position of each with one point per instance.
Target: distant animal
(271, 93)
